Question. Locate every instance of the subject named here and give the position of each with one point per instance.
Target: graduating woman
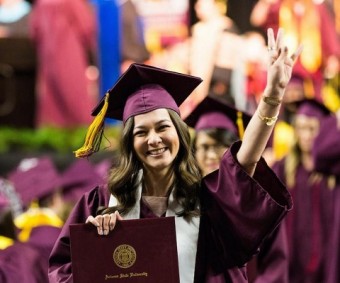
(221, 219)
(309, 175)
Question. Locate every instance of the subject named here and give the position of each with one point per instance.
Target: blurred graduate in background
(217, 126)
(19, 262)
(311, 225)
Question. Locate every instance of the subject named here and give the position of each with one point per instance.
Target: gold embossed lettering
(138, 274)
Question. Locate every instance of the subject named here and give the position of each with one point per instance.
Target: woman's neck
(157, 183)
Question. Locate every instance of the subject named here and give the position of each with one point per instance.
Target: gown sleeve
(272, 260)
(242, 210)
(326, 148)
(60, 269)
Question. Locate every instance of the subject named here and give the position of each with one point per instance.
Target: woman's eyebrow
(157, 123)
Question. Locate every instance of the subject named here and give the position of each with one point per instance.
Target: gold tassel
(239, 122)
(94, 133)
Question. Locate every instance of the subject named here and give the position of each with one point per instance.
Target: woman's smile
(156, 152)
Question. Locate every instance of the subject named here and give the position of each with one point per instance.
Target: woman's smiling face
(155, 139)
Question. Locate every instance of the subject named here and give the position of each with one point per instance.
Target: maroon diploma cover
(139, 250)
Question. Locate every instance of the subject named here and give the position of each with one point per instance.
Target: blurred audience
(255, 68)
(334, 7)
(311, 24)
(17, 65)
(133, 48)
(64, 33)
(14, 16)
(214, 52)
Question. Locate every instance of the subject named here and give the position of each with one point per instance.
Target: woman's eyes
(139, 134)
(163, 127)
(142, 133)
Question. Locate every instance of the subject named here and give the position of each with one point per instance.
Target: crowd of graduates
(36, 199)
(304, 151)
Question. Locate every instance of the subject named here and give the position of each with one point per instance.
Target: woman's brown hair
(123, 179)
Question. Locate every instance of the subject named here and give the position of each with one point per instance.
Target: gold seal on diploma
(124, 256)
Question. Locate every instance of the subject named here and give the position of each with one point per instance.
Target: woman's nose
(211, 153)
(154, 138)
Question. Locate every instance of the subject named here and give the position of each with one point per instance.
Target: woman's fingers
(279, 39)
(273, 45)
(271, 39)
(96, 221)
(105, 223)
(113, 219)
(119, 217)
(100, 219)
(280, 63)
(277, 46)
(112, 222)
(297, 53)
(92, 220)
(283, 53)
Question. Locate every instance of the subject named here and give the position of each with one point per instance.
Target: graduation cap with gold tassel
(94, 133)
(212, 113)
(139, 90)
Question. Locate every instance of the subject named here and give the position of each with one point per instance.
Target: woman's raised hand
(280, 64)
(105, 223)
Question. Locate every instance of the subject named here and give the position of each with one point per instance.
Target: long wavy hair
(123, 179)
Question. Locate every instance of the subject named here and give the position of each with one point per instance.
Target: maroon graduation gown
(238, 212)
(326, 153)
(22, 263)
(309, 225)
(271, 264)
